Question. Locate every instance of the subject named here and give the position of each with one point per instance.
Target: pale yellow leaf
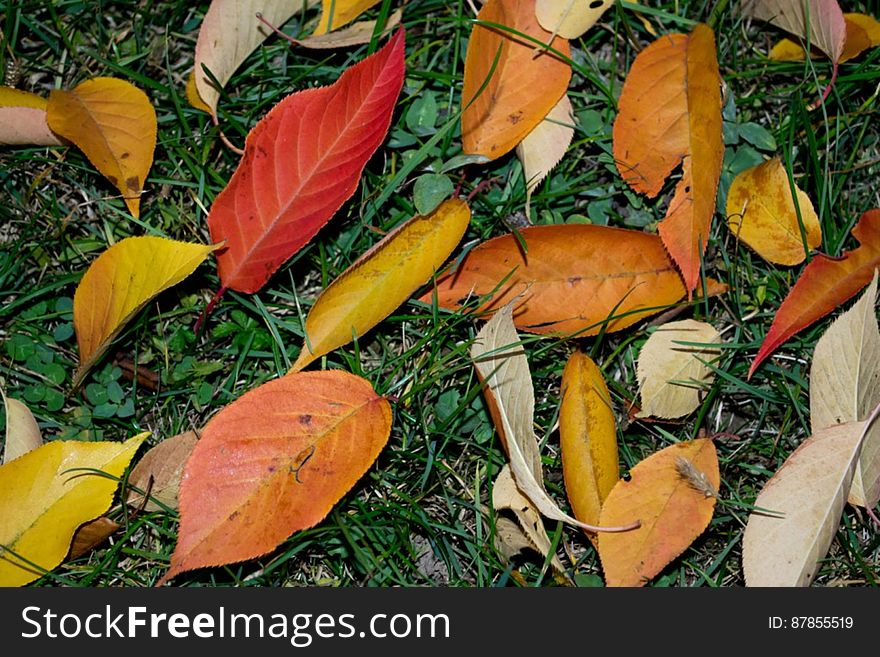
(544, 146)
(230, 32)
(382, 279)
(672, 374)
(798, 511)
(120, 282)
(570, 18)
(49, 492)
(354, 35)
(22, 431)
(845, 387)
(23, 119)
(114, 124)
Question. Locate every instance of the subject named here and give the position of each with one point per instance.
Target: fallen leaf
(523, 87)
(113, 123)
(336, 13)
(229, 33)
(567, 279)
(46, 497)
(761, 212)
(845, 387)
(673, 512)
(674, 374)
(382, 279)
(806, 497)
(570, 18)
(192, 94)
(670, 114)
(543, 147)
(160, 470)
(302, 161)
(862, 33)
(305, 438)
(357, 34)
(824, 284)
(821, 21)
(23, 120)
(120, 282)
(91, 535)
(528, 530)
(22, 431)
(587, 438)
(501, 364)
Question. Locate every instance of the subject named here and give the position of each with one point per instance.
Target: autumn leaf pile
(278, 458)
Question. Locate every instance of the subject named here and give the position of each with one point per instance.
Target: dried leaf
(230, 31)
(305, 438)
(670, 114)
(382, 279)
(845, 387)
(120, 282)
(22, 431)
(528, 530)
(587, 438)
(824, 284)
(502, 367)
(806, 497)
(672, 511)
(47, 495)
(570, 18)
(567, 279)
(544, 146)
(302, 161)
(23, 119)
(523, 87)
(91, 535)
(160, 471)
(113, 123)
(673, 372)
(862, 33)
(820, 20)
(761, 212)
(357, 34)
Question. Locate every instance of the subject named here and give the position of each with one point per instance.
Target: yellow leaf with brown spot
(120, 282)
(382, 279)
(570, 18)
(761, 212)
(114, 124)
(672, 493)
(588, 438)
(23, 119)
(49, 492)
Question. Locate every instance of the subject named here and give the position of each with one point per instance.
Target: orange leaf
(23, 119)
(113, 123)
(572, 278)
(670, 114)
(825, 284)
(274, 462)
(522, 89)
(672, 494)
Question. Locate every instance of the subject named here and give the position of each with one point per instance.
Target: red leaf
(825, 284)
(302, 161)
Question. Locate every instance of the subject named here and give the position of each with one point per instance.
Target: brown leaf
(160, 470)
(91, 535)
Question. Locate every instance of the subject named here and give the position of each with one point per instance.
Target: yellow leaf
(672, 372)
(22, 432)
(544, 146)
(336, 13)
(761, 212)
(360, 32)
(44, 497)
(672, 493)
(113, 123)
(786, 51)
(120, 282)
(588, 438)
(570, 18)
(192, 94)
(229, 33)
(382, 279)
(845, 387)
(23, 119)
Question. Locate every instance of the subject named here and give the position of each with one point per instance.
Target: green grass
(422, 513)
